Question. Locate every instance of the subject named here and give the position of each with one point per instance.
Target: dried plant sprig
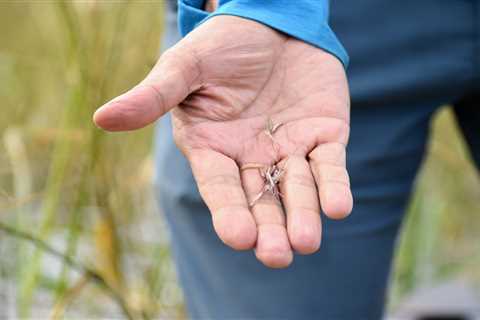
(272, 176)
(252, 166)
(271, 127)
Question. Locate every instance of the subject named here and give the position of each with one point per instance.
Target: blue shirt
(306, 20)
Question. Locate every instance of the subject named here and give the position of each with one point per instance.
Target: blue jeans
(407, 59)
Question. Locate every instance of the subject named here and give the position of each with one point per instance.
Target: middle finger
(273, 247)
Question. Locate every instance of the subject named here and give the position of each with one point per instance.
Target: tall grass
(62, 181)
(440, 239)
(84, 239)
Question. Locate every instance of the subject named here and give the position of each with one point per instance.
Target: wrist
(211, 5)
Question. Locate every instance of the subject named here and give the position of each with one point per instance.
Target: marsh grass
(88, 196)
(440, 237)
(61, 180)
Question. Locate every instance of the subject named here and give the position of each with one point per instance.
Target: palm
(242, 81)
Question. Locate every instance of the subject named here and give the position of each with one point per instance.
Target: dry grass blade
(59, 308)
(271, 127)
(272, 176)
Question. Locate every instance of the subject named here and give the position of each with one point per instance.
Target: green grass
(440, 236)
(61, 178)
(89, 194)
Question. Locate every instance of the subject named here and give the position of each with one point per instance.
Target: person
(256, 85)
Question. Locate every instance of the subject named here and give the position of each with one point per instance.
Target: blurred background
(80, 233)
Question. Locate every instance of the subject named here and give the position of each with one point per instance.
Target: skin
(211, 5)
(221, 84)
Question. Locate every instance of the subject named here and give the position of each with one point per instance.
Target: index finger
(219, 183)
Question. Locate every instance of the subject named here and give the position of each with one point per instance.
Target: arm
(223, 84)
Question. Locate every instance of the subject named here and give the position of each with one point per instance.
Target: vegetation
(78, 223)
(62, 181)
(440, 235)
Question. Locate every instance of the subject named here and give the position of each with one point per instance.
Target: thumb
(173, 78)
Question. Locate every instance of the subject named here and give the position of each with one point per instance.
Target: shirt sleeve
(306, 20)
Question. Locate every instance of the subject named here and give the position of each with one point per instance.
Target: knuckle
(341, 131)
(302, 180)
(332, 153)
(332, 174)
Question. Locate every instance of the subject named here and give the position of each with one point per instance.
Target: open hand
(243, 95)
